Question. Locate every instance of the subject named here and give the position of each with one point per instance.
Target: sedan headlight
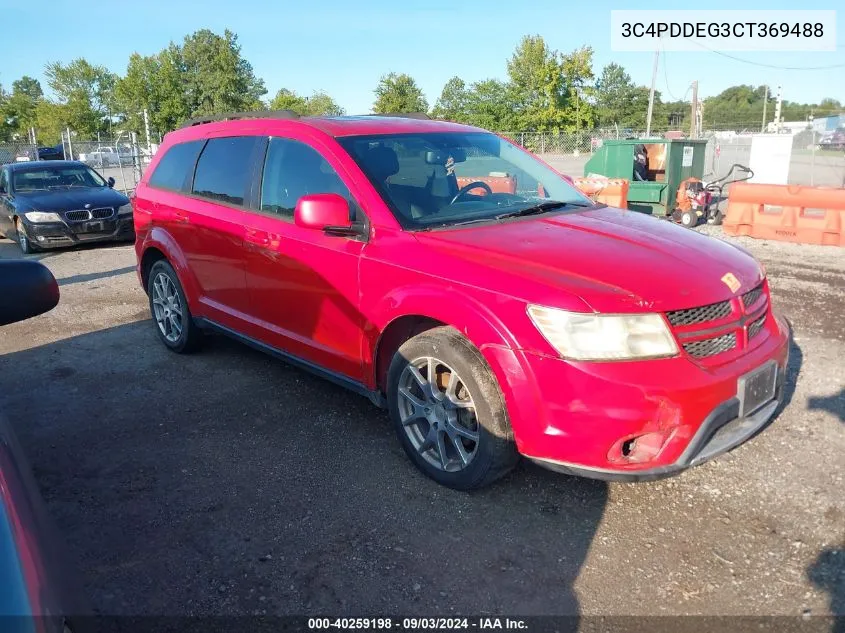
(604, 337)
(40, 216)
(125, 209)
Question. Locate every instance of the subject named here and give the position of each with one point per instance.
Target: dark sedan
(61, 203)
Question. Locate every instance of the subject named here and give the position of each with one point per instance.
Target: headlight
(604, 337)
(125, 209)
(38, 216)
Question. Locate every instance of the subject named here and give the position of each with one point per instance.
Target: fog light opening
(628, 446)
(638, 449)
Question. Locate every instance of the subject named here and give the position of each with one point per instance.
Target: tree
(18, 109)
(489, 105)
(536, 85)
(399, 93)
(152, 83)
(615, 93)
(577, 70)
(318, 104)
(87, 93)
(51, 119)
(453, 103)
(216, 77)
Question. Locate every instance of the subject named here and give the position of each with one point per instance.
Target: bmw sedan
(61, 203)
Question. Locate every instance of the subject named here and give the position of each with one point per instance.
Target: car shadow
(9, 249)
(227, 482)
(75, 279)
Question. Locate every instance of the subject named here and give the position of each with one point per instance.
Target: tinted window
(292, 170)
(36, 178)
(175, 166)
(223, 169)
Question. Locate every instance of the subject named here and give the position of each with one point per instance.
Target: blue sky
(343, 48)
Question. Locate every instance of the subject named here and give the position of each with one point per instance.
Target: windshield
(44, 178)
(442, 179)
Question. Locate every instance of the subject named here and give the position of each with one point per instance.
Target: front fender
(158, 238)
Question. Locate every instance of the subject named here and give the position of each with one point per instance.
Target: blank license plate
(756, 388)
(93, 227)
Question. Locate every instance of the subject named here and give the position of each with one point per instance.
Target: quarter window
(293, 169)
(224, 168)
(174, 168)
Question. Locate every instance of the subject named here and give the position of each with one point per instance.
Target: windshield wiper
(543, 207)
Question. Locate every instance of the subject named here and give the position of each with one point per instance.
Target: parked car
(61, 203)
(107, 157)
(39, 589)
(491, 324)
(835, 140)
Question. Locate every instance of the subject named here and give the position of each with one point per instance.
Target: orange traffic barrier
(497, 184)
(790, 213)
(610, 191)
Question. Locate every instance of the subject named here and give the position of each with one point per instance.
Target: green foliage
(398, 93)
(86, 91)
(18, 107)
(216, 77)
(318, 104)
(453, 103)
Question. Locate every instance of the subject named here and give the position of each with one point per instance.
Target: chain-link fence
(14, 152)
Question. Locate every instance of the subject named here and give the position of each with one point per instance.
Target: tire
(434, 426)
(24, 242)
(169, 308)
(689, 219)
(717, 218)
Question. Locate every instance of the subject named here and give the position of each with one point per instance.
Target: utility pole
(693, 126)
(813, 151)
(777, 111)
(765, 101)
(147, 128)
(651, 94)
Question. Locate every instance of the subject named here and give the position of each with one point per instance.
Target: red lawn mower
(698, 200)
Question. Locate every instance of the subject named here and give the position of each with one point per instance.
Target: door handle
(259, 238)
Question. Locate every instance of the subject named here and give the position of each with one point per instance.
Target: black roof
(45, 163)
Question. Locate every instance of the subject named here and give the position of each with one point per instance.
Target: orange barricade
(790, 213)
(610, 191)
(498, 184)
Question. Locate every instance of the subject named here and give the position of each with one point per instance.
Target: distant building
(828, 123)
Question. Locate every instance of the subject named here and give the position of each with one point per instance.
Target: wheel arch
(160, 245)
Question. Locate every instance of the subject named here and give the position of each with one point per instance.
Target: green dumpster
(670, 162)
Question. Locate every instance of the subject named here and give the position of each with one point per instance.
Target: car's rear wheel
(170, 311)
(23, 239)
(448, 410)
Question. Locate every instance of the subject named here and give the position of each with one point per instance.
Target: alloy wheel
(438, 414)
(167, 307)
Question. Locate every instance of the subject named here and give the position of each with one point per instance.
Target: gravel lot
(230, 483)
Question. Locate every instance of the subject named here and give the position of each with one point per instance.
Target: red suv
(458, 281)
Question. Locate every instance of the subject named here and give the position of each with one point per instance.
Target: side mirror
(27, 289)
(110, 182)
(327, 212)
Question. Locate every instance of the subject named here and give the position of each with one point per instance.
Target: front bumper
(573, 417)
(46, 235)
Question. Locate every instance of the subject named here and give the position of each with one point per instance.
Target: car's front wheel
(23, 239)
(169, 308)
(448, 410)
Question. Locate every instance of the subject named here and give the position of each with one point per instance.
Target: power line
(666, 78)
(748, 61)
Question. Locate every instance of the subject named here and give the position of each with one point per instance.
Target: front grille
(755, 328)
(711, 346)
(703, 314)
(78, 216)
(102, 214)
(752, 296)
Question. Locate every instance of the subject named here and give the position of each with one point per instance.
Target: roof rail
(229, 116)
(403, 115)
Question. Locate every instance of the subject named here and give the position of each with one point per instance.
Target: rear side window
(224, 169)
(175, 167)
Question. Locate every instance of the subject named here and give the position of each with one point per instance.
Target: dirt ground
(230, 483)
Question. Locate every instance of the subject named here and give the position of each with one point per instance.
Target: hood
(612, 259)
(69, 199)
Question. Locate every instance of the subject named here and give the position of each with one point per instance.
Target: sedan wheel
(23, 240)
(438, 414)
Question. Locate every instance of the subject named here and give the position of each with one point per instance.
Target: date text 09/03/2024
(417, 623)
